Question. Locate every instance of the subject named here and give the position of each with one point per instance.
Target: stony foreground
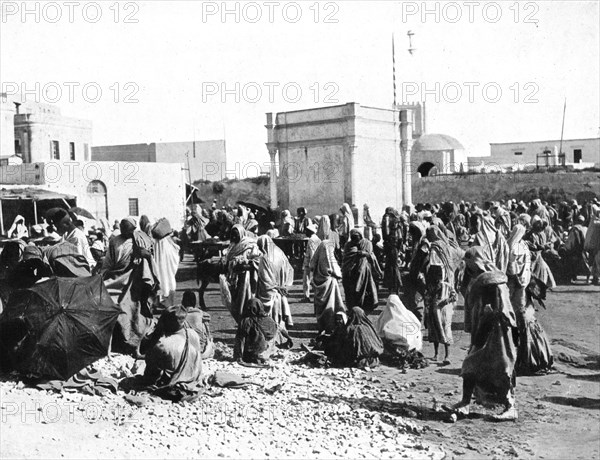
(317, 413)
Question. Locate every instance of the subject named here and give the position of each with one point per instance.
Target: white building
(576, 154)
(110, 190)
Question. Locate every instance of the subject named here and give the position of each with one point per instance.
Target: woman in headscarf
(18, 230)
(275, 276)
(129, 274)
(362, 340)
(166, 257)
(360, 270)
(538, 209)
(490, 239)
(519, 268)
(326, 276)
(414, 291)
(370, 225)
(490, 364)
(242, 264)
(440, 296)
(241, 216)
(173, 357)
(195, 226)
(251, 224)
(533, 352)
(399, 329)
(525, 220)
(311, 247)
(538, 244)
(346, 223)
(256, 334)
(392, 250)
(334, 235)
(287, 223)
(325, 232)
(145, 225)
(476, 263)
(501, 219)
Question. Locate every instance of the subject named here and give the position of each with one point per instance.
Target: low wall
(551, 187)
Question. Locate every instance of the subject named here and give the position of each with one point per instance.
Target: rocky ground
(293, 411)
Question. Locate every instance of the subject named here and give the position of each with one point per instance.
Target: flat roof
(553, 140)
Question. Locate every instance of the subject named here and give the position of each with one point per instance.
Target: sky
(180, 70)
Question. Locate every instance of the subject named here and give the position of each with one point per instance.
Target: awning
(33, 194)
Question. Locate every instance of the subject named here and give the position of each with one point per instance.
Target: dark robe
(360, 269)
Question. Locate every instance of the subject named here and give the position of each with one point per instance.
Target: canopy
(30, 202)
(33, 194)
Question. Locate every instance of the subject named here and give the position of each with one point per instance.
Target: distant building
(42, 133)
(349, 153)
(45, 154)
(576, 154)
(438, 154)
(206, 158)
(110, 190)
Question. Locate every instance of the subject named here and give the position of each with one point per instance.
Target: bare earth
(325, 413)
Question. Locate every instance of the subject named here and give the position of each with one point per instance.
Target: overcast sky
(175, 60)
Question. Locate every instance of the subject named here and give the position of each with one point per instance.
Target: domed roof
(435, 142)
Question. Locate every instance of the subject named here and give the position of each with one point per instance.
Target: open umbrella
(82, 212)
(59, 326)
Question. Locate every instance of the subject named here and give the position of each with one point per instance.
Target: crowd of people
(500, 257)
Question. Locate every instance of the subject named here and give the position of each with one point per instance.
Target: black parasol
(59, 326)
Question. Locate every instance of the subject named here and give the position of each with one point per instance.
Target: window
(18, 150)
(86, 152)
(97, 202)
(54, 150)
(577, 156)
(518, 153)
(72, 151)
(133, 207)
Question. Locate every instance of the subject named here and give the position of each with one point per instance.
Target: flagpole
(562, 130)
(394, 70)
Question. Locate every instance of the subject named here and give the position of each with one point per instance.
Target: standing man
(64, 222)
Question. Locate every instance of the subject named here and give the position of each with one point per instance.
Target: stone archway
(427, 169)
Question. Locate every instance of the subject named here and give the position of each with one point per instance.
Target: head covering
(342, 315)
(434, 233)
(347, 211)
(516, 235)
(324, 231)
(525, 219)
(363, 339)
(476, 260)
(355, 236)
(312, 228)
(173, 319)
(399, 327)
